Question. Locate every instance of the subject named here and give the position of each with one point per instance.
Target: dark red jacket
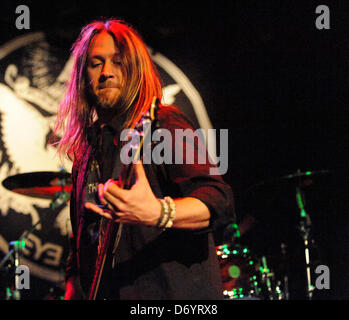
(155, 264)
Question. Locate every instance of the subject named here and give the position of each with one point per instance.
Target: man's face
(104, 70)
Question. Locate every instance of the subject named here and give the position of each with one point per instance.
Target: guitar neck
(102, 255)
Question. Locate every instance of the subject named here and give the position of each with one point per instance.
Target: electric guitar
(109, 227)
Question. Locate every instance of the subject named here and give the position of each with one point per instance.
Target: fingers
(123, 205)
(139, 170)
(103, 212)
(100, 189)
(112, 189)
(108, 195)
(114, 201)
(91, 206)
(121, 195)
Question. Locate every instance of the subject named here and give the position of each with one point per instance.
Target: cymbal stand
(304, 227)
(14, 254)
(286, 293)
(17, 246)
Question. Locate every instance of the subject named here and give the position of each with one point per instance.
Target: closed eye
(95, 63)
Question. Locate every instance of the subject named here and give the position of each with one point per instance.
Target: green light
(251, 262)
(255, 283)
(236, 232)
(308, 173)
(226, 250)
(300, 203)
(245, 250)
(234, 272)
(8, 292)
(19, 244)
(264, 270)
(235, 251)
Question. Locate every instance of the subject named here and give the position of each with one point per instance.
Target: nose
(107, 71)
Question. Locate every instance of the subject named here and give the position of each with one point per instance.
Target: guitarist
(169, 213)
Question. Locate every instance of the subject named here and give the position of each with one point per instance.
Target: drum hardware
(304, 228)
(244, 276)
(271, 286)
(303, 178)
(238, 271)
(266, 274)
(286, 293)
(299, 181)
(49, 185)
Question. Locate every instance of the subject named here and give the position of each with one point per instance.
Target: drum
(244, 276)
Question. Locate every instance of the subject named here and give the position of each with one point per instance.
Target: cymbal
(305, 174)
(298, 177)
(41, 184)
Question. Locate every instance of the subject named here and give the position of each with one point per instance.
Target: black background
(276, 82)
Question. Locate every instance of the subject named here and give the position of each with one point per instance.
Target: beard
(108, 98)
(105, 98)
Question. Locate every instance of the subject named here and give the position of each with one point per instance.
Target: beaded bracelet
(172, 213)
(168, 213)
(164, 216)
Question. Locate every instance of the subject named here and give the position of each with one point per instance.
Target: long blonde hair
(75, 114)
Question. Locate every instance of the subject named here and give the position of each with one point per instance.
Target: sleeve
(193, 178)
(71, 263)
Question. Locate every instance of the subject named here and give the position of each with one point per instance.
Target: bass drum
(243, 275)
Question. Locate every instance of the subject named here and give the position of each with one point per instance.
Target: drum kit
(245, 275)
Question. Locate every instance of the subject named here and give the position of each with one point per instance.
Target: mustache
(109, 84)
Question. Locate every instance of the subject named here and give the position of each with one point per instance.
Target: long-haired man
(166, 248)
